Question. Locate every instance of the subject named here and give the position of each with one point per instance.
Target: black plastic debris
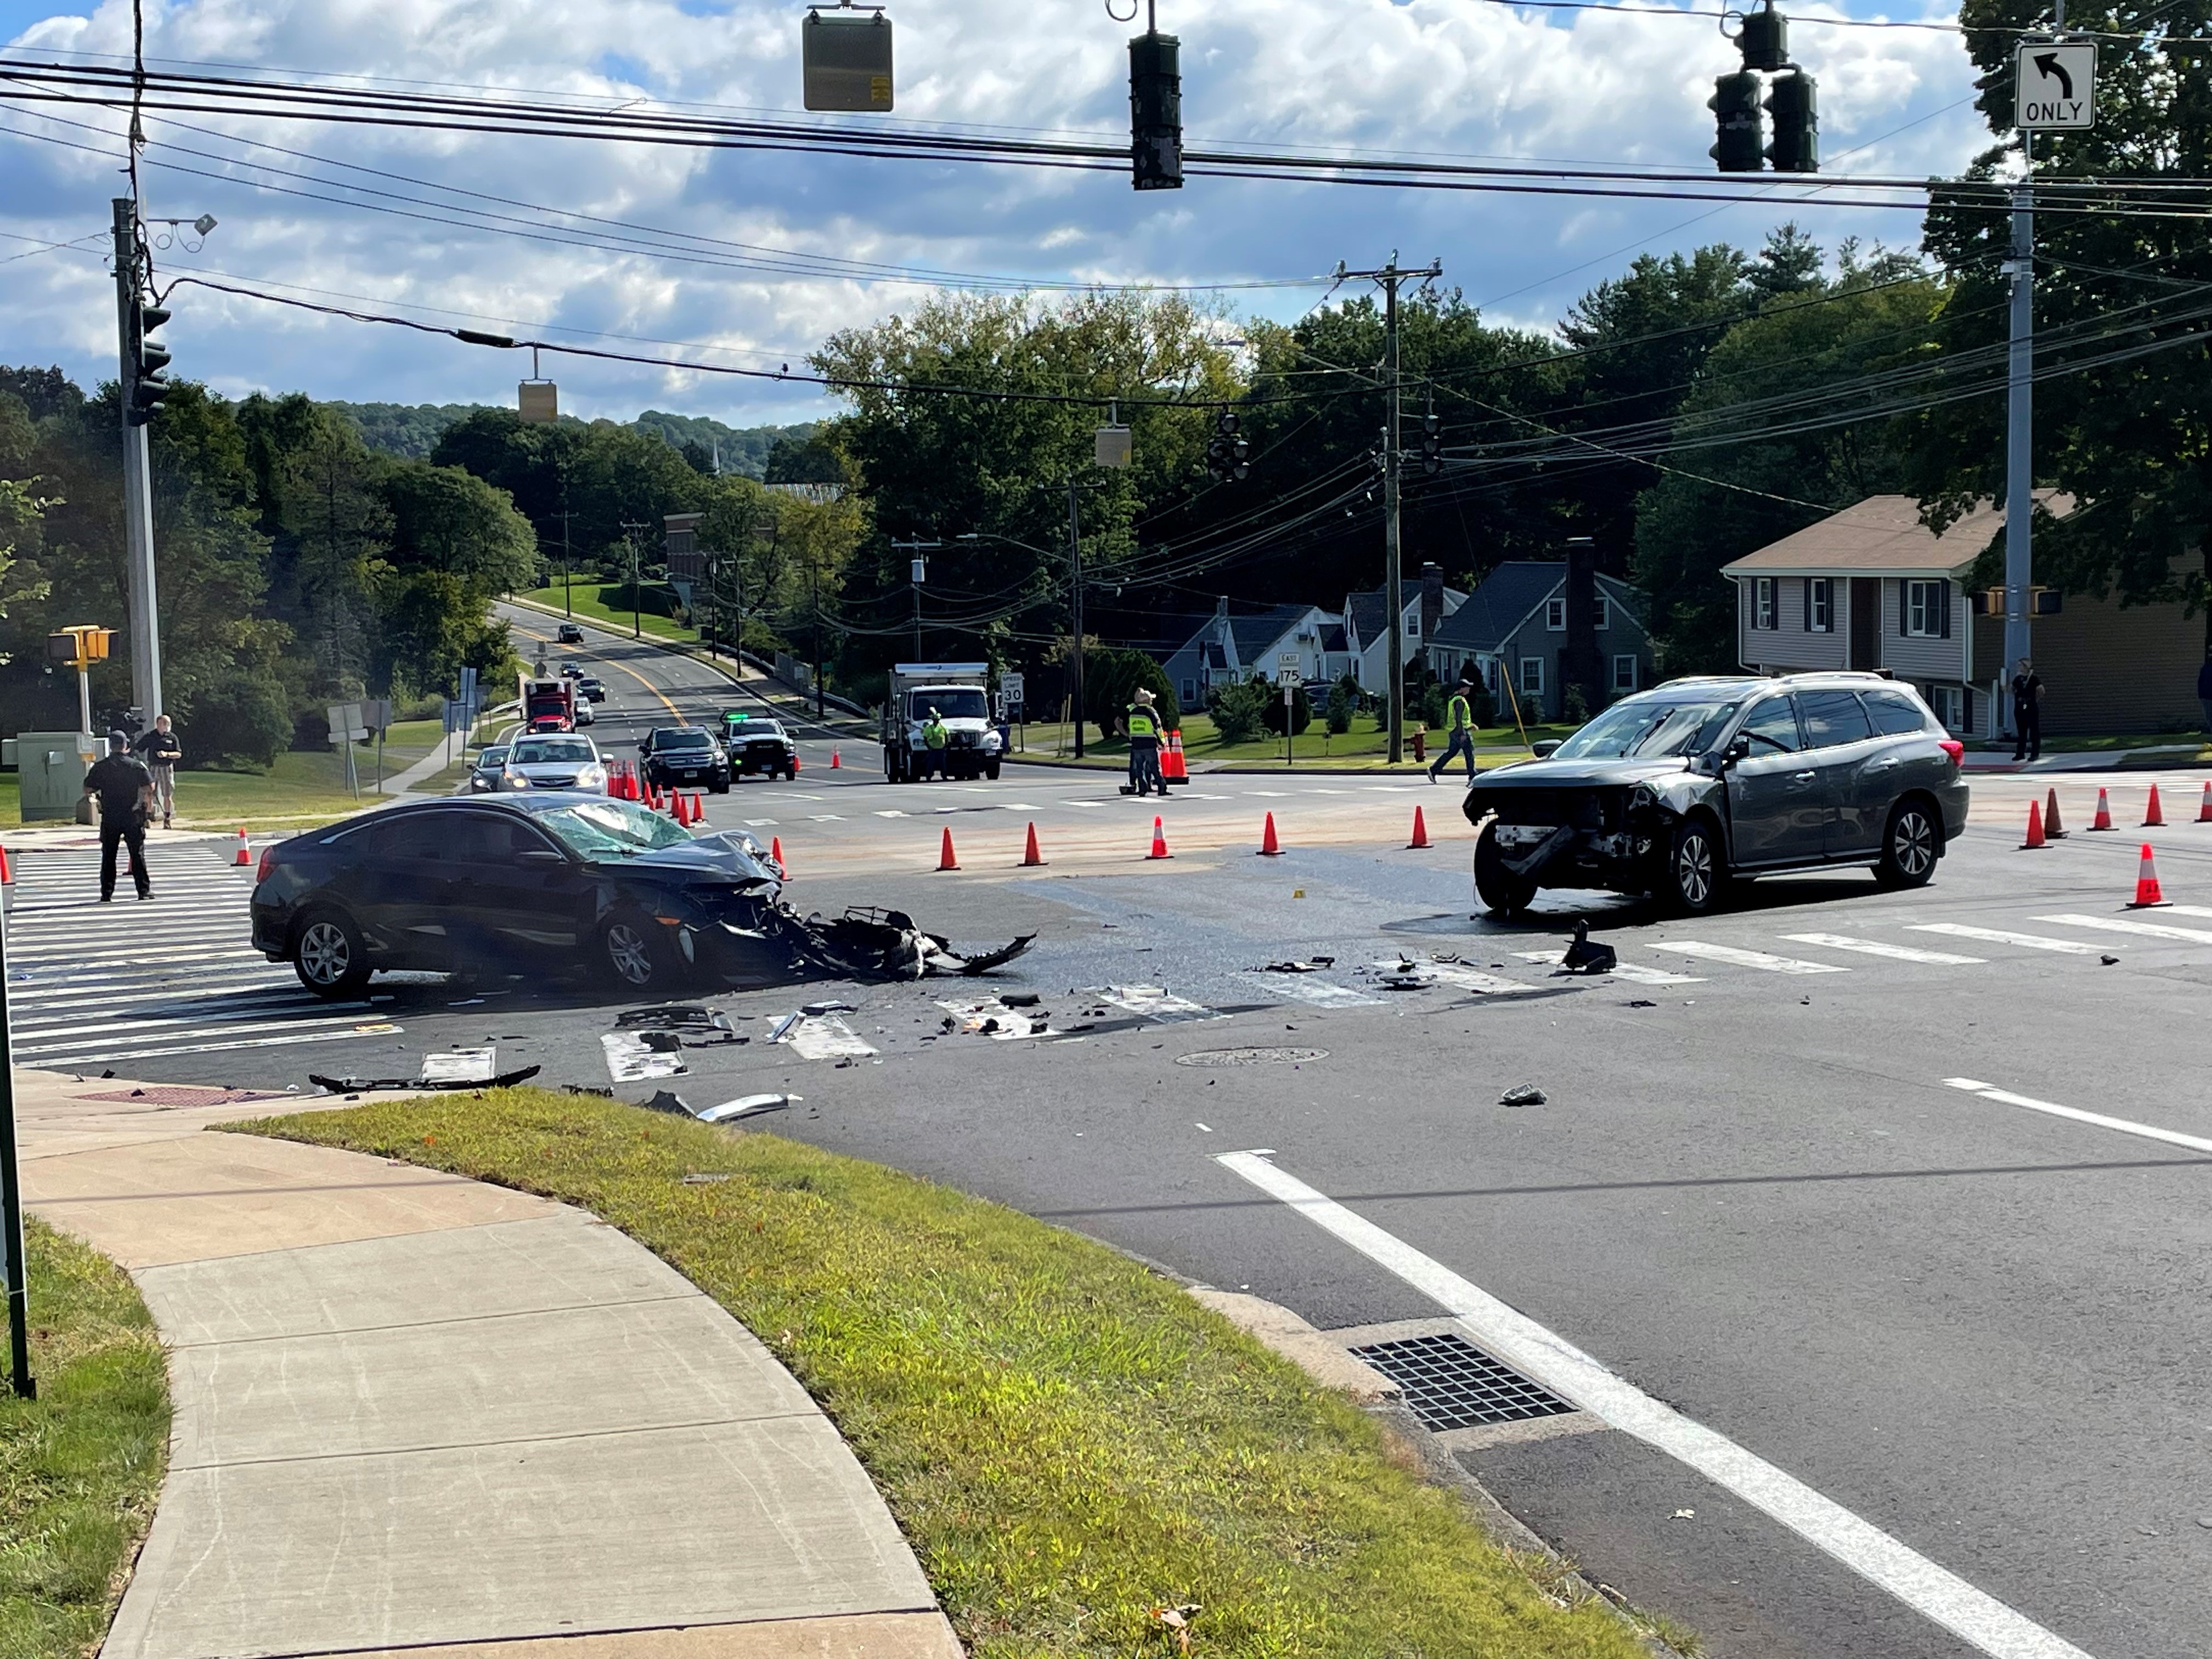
(586, 1088)
(1525, 1094)
(667, 1100)
(678, 1025)
(1020, 999)
(820, 1008)
(1643, 1002)
(1584, 958)
(350, 1085)
(2110, 962)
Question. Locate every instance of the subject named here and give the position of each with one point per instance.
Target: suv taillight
(267, 864)
(1955, 750)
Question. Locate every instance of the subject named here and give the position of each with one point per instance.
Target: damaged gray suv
(1674, 791)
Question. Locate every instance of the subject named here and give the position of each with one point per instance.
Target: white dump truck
(958, 692)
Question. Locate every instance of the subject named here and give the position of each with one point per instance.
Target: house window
(1762, 602)
(1927, 611)
(1532, 677)
(1624, 673)
(1413, 623)
(1190, 690)
(1949, 703)
(1604, 613)
(1555, 615)
(1820, 605)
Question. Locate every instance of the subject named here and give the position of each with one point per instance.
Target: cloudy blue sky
(1464, 77)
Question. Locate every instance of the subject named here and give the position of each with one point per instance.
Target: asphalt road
(1838, 1306)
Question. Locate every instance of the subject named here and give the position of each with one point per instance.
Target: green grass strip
(80, 1466)
(1069, 1441)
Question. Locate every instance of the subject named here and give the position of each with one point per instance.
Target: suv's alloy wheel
(1694, 869)
(1908, 850)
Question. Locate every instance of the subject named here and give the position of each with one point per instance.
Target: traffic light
(1155, 110)
(1763, 39)
(1736, 103)
(1228, 454)
(1793, 103)
(149, 385)
(1433, 445)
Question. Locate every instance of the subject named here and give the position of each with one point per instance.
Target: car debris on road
(358, 1086)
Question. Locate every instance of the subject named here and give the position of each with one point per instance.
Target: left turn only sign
(2055, 86)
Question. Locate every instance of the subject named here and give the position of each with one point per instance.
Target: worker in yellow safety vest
(934, 738)
(1460, 720)
(1143, 725)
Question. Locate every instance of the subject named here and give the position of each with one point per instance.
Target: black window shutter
(1903, 610)
(1943, 600)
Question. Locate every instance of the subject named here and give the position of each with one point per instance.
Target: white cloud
(1455, 76)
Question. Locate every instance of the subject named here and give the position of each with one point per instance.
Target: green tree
(448, 520)
(2129, 437)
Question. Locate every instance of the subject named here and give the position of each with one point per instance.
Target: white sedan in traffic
(560, 761)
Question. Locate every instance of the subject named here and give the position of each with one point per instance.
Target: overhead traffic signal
(1433, 445)
(149, 385)
(1155, 110)
(1228, 454)
(1739, 111)
(1793, 103)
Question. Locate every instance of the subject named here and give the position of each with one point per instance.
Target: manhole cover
(1251, 1056)
(1449, 1383)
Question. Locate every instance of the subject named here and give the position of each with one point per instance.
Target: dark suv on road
(1674, 791)
(685, 757)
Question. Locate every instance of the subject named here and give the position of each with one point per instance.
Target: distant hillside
(412, 430)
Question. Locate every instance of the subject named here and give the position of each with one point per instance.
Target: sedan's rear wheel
(1503, 894)
(330, 955)
(1909, 846)
(1696, 869)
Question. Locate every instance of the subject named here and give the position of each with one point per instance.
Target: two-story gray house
(1515, 624)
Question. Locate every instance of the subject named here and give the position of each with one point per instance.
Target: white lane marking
(1194, 794)
(1321, 993)
(826, 1037)
(629, 1061)
(1870, 947)
(1466, 979)
(1633, 971)
(1019, 807)
(794, 794)
(1539, 1353)
(60, 1024)
(1154, 1002)
(143, 984)
(825, 817)
(2190, 909)
(127, 958)
(1083, 802)
(2146, 929)
(2072, 947)
(117, 1008)
(1015, 1025)
(893, 812)
(1268, 794)
(63, 1063)
(760, 824)
(1328, 792)
(122, 1035)
(1758, 959)
(2149, 1132)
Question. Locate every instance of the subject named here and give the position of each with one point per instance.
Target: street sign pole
(11, 1201)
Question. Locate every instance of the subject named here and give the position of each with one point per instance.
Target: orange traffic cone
(2154, 818)
(1269, 847)
(1159, 841)
(2204, 813)
(6, 875)
(836, 760)
(2104, 818)
(1172, 769)
(775, 851)
(1031, 856)
(244, 858)
(1420, 833)
(2051, 829)
(2034, 829)
(945, 860)
(698, 807)
(2147, 897)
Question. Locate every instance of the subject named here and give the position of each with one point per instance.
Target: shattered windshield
(611, 829)
(1649, 729)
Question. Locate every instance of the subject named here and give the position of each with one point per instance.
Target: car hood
(727, 856)
(1594, 772)
(536, 770)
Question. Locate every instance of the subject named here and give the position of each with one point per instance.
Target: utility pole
(630, 533)
(2019, 442)
(1075, 604)
(917, 569)
(1392, 277)
(138, 473)
(11, 1204)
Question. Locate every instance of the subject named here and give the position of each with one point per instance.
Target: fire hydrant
(1420, 741)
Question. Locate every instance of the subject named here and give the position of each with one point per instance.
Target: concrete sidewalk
(415, 1412)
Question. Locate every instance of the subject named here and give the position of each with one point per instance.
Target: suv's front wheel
(1503, 894)
(1908, 846)
(1697, 869)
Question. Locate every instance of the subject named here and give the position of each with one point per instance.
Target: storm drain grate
(1449, 1383)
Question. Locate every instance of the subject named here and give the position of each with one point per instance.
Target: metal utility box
(538, 402)
(848, 60)
(51, 766)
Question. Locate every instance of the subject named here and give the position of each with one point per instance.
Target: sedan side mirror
(539, 855)
(1544, 748)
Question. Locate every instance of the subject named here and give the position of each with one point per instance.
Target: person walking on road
(1460, 719)
(126, 789)
(934, 739)
(2027, 713)
(162, 749)
(1143, 725)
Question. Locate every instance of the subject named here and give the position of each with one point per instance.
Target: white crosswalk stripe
(1739, 957)
(2072, 947)
(1634, 972)
(1468, 979)
(93, 984)
(1154, 1002)
(2142, 929)
(1320, 992)
(1870, 947)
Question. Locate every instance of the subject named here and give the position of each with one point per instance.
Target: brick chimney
(1432, 599)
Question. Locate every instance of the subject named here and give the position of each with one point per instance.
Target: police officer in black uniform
(126, 789)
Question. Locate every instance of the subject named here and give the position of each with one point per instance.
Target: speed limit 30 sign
(2055, 86)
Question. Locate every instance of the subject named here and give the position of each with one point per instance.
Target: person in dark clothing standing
(162, 749)
(126, 789)
(2027, 713)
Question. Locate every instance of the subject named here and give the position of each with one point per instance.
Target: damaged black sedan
(545, 885)
(1674, 791)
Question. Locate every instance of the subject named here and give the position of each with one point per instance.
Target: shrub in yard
(1339, 710)
(1239, 708)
